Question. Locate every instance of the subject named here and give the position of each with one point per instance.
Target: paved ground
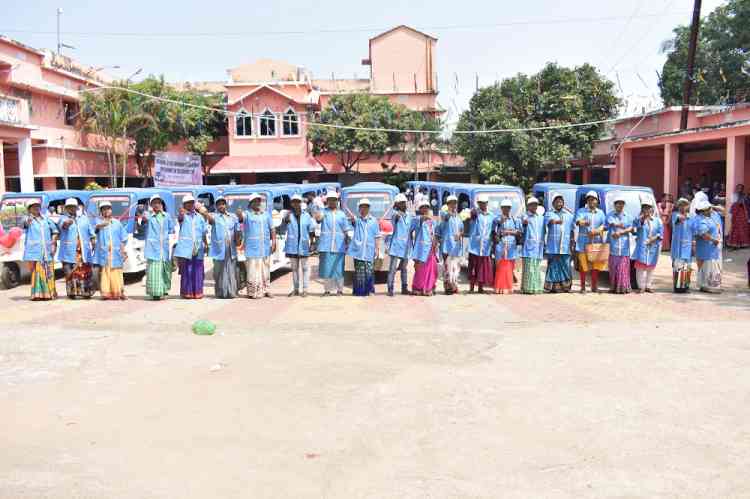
(465, 396)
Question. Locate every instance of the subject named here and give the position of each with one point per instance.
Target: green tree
(362, 111)
(418, 145)
(721, 72)
(112, 115)
(554, 96)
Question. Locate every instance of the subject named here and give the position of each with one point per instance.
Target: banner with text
(177, 169)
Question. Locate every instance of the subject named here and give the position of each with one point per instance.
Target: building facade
(269, 102)
(653, 151)
(40, 145)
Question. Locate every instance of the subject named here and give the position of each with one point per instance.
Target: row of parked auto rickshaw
(128, 203)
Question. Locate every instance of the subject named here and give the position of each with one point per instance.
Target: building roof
(336, 86)
(265, 164)
(257, 89)
(400, 27)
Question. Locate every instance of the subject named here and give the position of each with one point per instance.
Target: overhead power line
(449, 27)
(350, 127)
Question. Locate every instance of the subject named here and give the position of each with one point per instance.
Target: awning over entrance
(265, 164)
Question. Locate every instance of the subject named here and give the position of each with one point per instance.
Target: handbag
(597, 252)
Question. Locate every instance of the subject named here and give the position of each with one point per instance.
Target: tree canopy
(365, 111)
(554, 96)
(143, 125)
(721, 71)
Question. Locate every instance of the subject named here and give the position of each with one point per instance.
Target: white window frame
(244, 115)
(262, 116)
(283, 117)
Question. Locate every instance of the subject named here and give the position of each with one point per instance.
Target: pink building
(40, 147)
(651, 150)
(272, 100)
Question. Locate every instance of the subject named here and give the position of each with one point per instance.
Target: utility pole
(59, 43)
(687, 89)
(64, 163)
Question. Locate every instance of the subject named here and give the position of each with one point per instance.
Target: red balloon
(386, 226)
(10, 238)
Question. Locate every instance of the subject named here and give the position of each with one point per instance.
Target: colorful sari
(364, 280)
(739, 235)
(111, 280)
(79, 281)
(42, 281)
(619, 274)
(191, 277)
(559, 276)
(425, 274)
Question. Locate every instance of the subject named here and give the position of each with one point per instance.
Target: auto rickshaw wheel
(10, 275)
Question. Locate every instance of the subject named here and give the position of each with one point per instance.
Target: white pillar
(25, 165)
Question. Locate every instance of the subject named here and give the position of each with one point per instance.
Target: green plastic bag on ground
(204, 328)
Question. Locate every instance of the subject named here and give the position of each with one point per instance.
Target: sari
(619, 274)
(531, 276)
(191, 277)
(425, 274)
(364, 280)
(112, 281)
(504, 276)
(225, 274)
(79, 281)
(739, 235)
(258, 276)
(559, 276)
(42, 281)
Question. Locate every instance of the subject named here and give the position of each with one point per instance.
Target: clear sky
(491, 38)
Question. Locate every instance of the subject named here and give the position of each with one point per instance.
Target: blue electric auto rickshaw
(206, 194)
(12, 215)
(127, 203)
(381, 197)
(608, 192)
(275, 199)
(543, 190)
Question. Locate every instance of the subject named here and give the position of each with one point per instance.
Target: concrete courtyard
(445, 397)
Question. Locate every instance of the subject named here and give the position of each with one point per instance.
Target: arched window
(244, 124)
(290, 123)
(267, 124)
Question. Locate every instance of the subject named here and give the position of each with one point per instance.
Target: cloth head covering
(505, 203)
(592, 194)
(363, 202)
(297, 197)
(532, 200)
(71, 202)
(483, 198)
(332, 194)
(400, 198)
(700, 196)
(155, 197)
(188, 198)
(105, 204)
(451, 198)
